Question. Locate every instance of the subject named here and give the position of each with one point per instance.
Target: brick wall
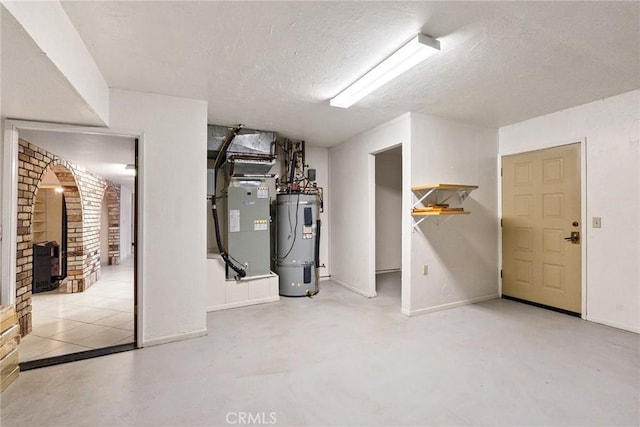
(112, 198)
(83, 195)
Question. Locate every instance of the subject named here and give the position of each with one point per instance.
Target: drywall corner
(172, 174)
(352, 250)
(461, 252)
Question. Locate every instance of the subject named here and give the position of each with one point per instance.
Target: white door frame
(10, 202)
(405, 223)
(583, 207)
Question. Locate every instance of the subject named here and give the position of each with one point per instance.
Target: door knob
(574, 238)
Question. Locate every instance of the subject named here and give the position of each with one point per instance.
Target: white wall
(389, 210)
(54, 214)
(126, 222)
(172, 194)
(318, 158)
(461, 253)
(352, 178)
(611, 128)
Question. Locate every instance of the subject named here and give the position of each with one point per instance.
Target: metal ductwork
(251, 153)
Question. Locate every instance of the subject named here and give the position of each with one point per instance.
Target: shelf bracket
(417, 223)
(427, 194)
(462, 195)
(438, 220)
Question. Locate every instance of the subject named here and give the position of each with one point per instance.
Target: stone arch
(32, 164)
(75, 281)
(111, 196)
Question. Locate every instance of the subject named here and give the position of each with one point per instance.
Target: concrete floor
(343, 360)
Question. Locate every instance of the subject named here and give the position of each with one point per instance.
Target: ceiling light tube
(412, 53)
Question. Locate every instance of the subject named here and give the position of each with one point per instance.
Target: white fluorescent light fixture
(411, 54)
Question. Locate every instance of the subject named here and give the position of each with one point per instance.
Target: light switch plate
(597, 222)
(425, 269)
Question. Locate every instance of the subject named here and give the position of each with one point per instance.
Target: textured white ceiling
(274, 65)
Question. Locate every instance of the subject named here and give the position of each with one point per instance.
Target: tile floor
(101, 316)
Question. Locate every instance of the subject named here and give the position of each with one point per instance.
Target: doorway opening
(48, 237)
(388, 225)
(67, 183)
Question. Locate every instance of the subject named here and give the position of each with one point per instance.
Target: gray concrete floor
(343, 360)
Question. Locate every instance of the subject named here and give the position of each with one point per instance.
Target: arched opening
(48, 234)
(33, 226)
(110, 225)
(73, 240)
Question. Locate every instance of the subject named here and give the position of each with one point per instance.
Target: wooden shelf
(39, 222)
(444, 187)
(439, 195)
(440, 213)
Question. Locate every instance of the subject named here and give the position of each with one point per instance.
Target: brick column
(112, 198)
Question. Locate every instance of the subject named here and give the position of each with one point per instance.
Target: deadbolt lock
(574, 238)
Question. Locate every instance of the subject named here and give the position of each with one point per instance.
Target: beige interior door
(541, 227)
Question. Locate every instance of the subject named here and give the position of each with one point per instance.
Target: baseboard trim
(353, 289)
(613, 324)
(449, 305)
(173, 338)
(242, 303)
